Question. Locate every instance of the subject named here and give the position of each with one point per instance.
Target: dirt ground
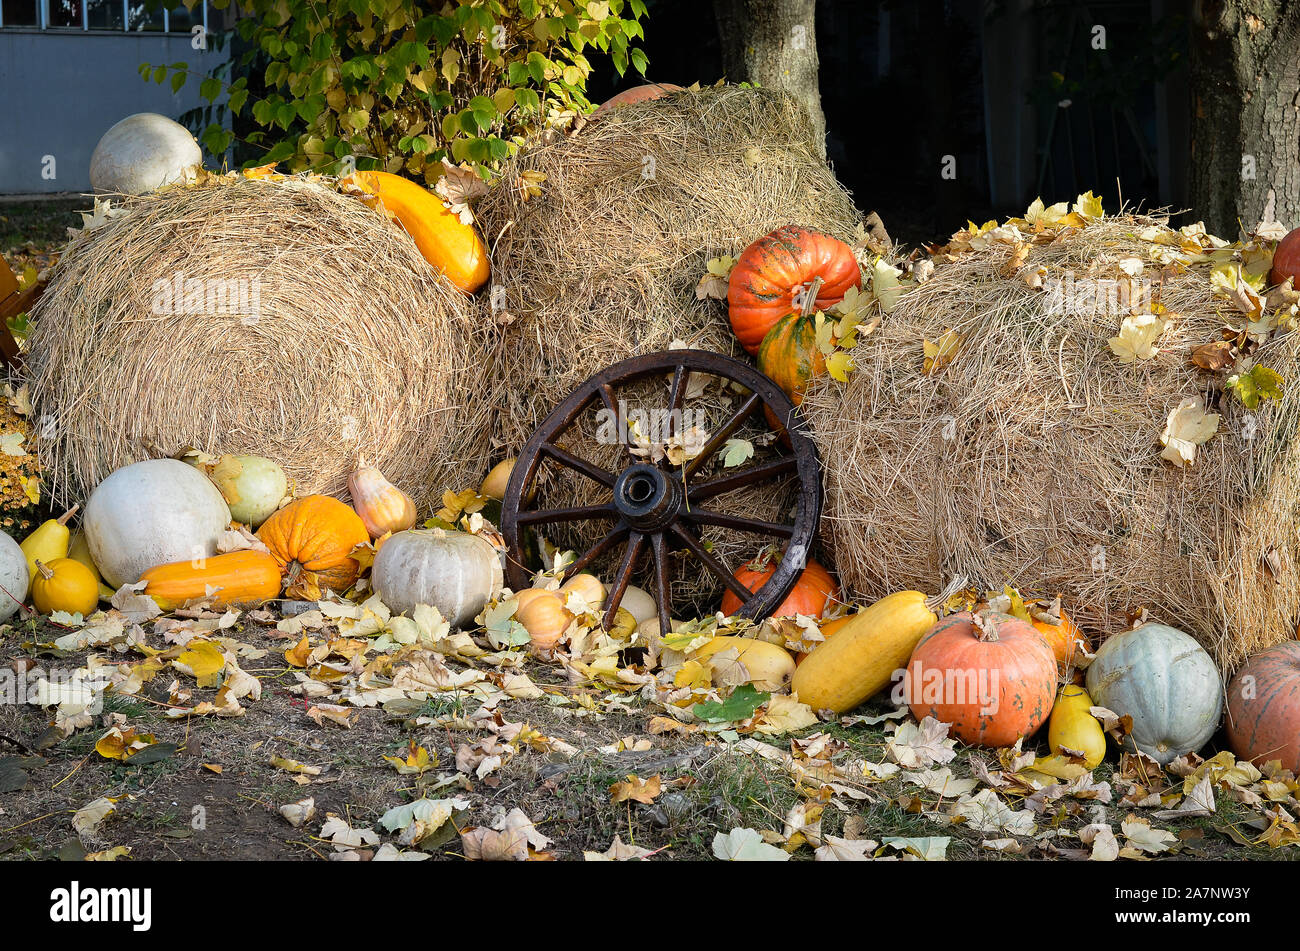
(217, 794)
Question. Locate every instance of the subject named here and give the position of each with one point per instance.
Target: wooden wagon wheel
(660, 508)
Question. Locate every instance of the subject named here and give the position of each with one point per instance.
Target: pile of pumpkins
(160, 521)
(994, 678)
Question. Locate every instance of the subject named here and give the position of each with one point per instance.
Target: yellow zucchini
(859, 661)
(1072, 726)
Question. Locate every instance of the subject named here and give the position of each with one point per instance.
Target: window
(102, 15)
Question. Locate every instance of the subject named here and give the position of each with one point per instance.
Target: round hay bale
(603, 263)
(252, 316)
(1034, 457)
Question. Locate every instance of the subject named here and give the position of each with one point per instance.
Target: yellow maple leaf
(1188, 426)
(1137, 337)
(940, 353)
(204, 660)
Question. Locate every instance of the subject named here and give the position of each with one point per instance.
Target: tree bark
(773, 43)
(1245, 71)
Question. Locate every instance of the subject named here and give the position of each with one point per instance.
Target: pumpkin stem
(63, 519)
(986, 629)
(810, 296)
(46, 571)
(361, 461)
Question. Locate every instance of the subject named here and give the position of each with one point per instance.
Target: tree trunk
(1245, 71)
(773, 43)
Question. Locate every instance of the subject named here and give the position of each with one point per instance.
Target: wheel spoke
(677, 395)
(589, 469)
(754, 476)
(739, 523)
(596, 550)
(715, 566)
(723, 434)
(663, 590)
(568, 515)
(624, 576)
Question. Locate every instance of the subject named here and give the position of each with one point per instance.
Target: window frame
(43, 19)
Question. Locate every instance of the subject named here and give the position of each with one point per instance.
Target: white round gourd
(13, 576)
(141, 153)
(455, 572)
(639, 604)
(152, 513)
(1166, 682)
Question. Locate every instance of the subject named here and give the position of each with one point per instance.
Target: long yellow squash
(239, 577)
(859, 661)
(447, 243)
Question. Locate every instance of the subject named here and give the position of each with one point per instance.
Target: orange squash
(312, 539)
(446, 242)
(789, 353)
(1068, 643)
(779, 267)
(240, 577)
(812, 594)
(991, 676)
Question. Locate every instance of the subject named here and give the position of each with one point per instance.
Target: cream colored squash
(14, 579)
(152, 513)
(142, 153)
(639, 603)
(454, 572)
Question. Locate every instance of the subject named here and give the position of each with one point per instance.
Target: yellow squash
(1073, 727)
(769, 666)
(240, 577)
(445, 241)
(64, 585)
(79, 550)
(860, 660)
(48, 543)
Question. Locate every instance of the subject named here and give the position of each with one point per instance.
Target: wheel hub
(646, 497)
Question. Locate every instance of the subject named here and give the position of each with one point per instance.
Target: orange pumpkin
(812, 594)
(1264, 707)
(1286, 260)
(312, 539)
(634, 95)
(240, 577)
(1068, 643)
(827, 629)
(779, 267)
(991, 676)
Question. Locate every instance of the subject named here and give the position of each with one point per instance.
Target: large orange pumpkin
(634, 95)
(1068, 644)
(991, 676)
(812, 594)
(313, 538)
(776, 268)
(1264, 707)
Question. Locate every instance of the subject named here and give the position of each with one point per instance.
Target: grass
(42, 223)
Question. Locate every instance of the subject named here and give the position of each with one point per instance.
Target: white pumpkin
(152, 513)
(13, 577)
(1166, 682)
(639, 604)
(455, 572)
(141, 153)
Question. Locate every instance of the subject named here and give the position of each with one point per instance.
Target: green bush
(400, 85)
